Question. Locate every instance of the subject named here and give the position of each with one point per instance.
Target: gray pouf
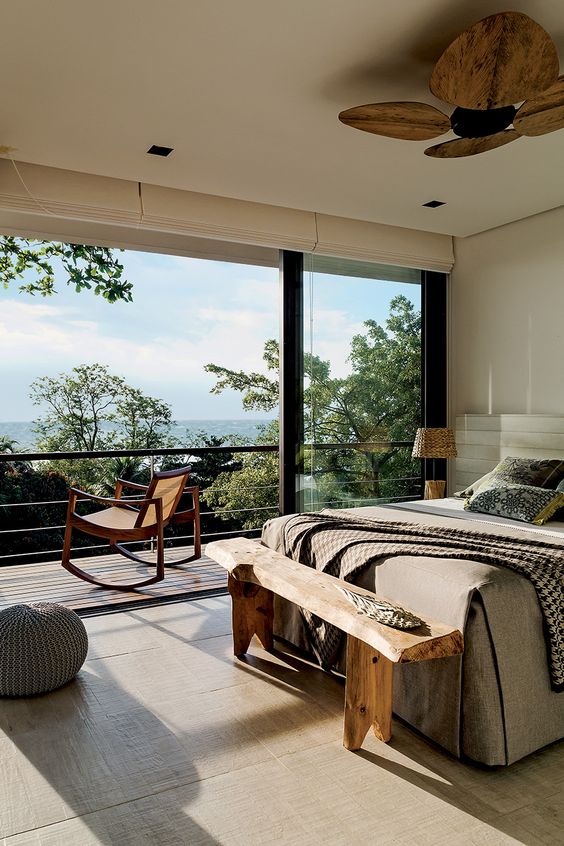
(42, 646)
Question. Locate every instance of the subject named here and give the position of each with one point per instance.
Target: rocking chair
(135, 519)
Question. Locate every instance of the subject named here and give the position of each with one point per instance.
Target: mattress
(494, 704)
(454, 507)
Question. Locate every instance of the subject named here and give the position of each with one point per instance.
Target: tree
(92, 409)
(8, 447)
(143, 421)
(7, 444)
(247, 493)
(87, 267)
(207, 472)
(260, 393)
(377, 403)
(22, 483)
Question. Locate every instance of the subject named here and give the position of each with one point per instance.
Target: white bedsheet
(454, 507)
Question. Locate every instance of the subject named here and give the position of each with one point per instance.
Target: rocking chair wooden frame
(104, 524)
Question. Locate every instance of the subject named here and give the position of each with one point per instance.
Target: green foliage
(260, 393)
(105, 472)
(87, 267)
(19, 482)
(92, 409)
(7, 444)
(144, 421)
(87, 409)
(206, 470)
(249, 490)
(378, 402)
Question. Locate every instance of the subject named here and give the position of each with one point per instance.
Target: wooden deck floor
(49, 582)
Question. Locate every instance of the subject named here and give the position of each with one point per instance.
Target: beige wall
(507, 319)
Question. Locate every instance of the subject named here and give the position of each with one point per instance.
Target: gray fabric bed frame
(493, 705)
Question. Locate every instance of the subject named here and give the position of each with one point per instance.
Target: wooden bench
(256, 573)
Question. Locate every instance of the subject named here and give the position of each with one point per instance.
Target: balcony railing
(53, 526)
(330, 479)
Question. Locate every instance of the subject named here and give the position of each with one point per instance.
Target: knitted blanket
(343, 546)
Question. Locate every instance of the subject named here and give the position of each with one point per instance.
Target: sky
(185, 313)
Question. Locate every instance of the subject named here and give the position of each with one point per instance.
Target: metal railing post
(13, 530)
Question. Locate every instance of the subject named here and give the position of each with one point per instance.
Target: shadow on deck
(49, 582)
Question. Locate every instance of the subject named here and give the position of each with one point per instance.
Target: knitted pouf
(42, 646)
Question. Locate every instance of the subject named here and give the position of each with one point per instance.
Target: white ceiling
(248, 93)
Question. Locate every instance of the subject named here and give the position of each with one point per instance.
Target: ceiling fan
(499, 61)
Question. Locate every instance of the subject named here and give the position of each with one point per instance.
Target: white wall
(507, 319)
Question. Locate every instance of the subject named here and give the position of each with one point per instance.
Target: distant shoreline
(21, 431)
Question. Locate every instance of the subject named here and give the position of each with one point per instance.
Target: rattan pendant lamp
(434, 443)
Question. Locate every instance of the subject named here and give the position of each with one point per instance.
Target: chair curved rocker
(133, 519)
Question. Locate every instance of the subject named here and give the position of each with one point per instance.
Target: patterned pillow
(542, 473)
(527, 503)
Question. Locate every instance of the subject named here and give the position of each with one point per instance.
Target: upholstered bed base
(493, 705)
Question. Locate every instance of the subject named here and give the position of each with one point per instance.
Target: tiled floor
(164, 738)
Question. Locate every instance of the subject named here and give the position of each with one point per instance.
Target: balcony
(332, 476)
(48, 581)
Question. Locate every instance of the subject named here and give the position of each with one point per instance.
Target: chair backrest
(168, 485)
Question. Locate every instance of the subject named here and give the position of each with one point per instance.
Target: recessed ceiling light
(156, 150)
(434, 204)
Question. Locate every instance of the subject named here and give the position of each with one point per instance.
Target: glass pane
(362, 383)
(189, 365)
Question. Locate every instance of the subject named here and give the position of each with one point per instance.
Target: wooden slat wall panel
(483, 440)
(526, 440)
(483, 451)
(511, 422)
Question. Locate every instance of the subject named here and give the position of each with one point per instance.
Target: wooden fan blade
(543, 114)
(471, 146)
(410, 121)
(500, 60)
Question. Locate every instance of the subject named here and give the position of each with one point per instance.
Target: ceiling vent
(433, 204)
(155, 150)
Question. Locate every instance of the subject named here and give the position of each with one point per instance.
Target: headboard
(482, 440)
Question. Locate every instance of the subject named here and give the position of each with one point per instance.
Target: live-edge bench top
(317, 592)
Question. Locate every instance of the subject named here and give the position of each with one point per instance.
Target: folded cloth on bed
(342, 546)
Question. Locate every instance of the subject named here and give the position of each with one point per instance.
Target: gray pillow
(541, 473)
(527, 503)
(474, 486)
(560, 486)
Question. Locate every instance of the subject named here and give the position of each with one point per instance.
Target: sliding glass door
(362, 357)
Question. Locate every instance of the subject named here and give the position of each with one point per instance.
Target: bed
(495, 704)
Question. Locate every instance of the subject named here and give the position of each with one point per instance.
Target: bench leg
(253, 613)
(368, 694)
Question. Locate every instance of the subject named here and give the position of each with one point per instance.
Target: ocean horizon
(21, 431)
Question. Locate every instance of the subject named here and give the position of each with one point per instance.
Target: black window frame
(434, 371)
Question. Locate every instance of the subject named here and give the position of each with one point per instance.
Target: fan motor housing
(478, 123)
